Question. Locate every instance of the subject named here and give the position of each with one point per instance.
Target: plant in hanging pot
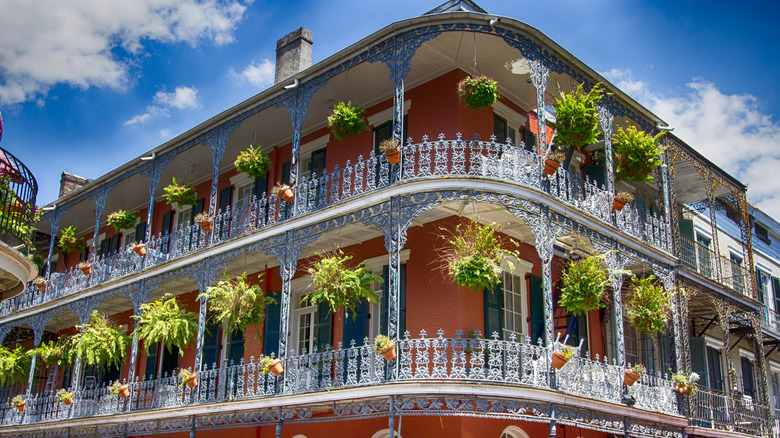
(335, 283)
(19, 403)
(235, 304)
(69, 242)
(165, 321)
(119, 389)
(474, 254)
(347, 120)
(64, 396)
(636, 154)
(478, 92)
(253, 163)
(203, 220)
(685, 384)
(384, 346)
(188, 378)
(14, 366)
(54, 353)
(86, 267)
(268, 363)
(179, 194)
(40, 283)
(577, 119)
(621, 199)
(99, 341)
(583, 284)
(648, 309)
(553, 161)
(283, 191)
(121, 220)
(633, 374)
(560, 357)
(139, 248)
(392, 151)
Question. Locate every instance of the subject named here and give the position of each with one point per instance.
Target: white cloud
(50, 42)
(261, 74)
(165, 133)
(181, 98)
(730, 129)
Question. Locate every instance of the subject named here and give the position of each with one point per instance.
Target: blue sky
(86, 86)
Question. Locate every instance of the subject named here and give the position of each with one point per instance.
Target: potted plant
(283, 191)
(347, 120)
(69, 242)
(14, 366)
(633, 374)
(54, 353)
(560, 357)
(86, 267)
(636, 154)
(552, 162)
(648, 309)
(384, 346)
(189, 378)
(267, 364)
(99, 342)
(164, 321)
(621, 199)
(40, 283)
(121, 220)
(392, 151)
(235, 304)
(19, 403)
(583, 284)
(253, 163)
(474, 254)
(139, 248)
(119, 389)
(204, 221)
(577, 119)
(478, 92)
(685, 385)
(335, 283)
(181, 195)
(65, 397)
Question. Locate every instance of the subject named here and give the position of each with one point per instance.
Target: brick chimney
(293, 54)
(70, 182)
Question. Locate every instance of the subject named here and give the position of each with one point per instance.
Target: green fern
(583, 287)
(99, 342)
(236, 304)
(636, 154)
(164, 321)
(69, 242)
(340, 286)
(648, 310)
(181, 195)
(14, 366)
(54, 353)
(347, 120)
(577, 118)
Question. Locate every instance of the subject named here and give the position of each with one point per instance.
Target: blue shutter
(151, 361)
(747, 378)
(272, 322)
(595, 174)
(699, 358)
(356, 324)
(324, 326)
(494, 311)
(235, 347)
(536, 309)
(385, 303)
(211, 341)
(140, 232)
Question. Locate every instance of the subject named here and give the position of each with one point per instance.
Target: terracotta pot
(86, 269)
(630, 377)
(22, 407)
(276, 367)
(618, 203)
(393, 156)
(140, 249)
(206, 225)
(124, 391)
(287, 194)
(550, 166)
(389, 353)
(558, 360)
(192, 381)
(41, 286)
(68, 401)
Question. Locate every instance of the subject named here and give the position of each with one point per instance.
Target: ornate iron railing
(518, 364)
(717, 410)
(702, 259)
(421, 161)
(18, 190)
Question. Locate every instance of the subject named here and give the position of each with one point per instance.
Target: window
(513, 288)
(761, 284)
(244, 194)
(736, 273)
(748, 387)
(513, 432)
(505, 311)
(703, 247)
(775, 382)
(303, 326)
(503, 131)
(156, 368)
(762, 234)
(714, 368)
(183, 217)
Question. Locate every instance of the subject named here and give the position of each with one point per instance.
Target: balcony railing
(718, 410)
(514, 363)
(421, 161)
(18, 190)
(702, 259)
(770, 319)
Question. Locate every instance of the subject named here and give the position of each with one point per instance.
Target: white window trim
(383, 116)
(513, 118)
(700, 230)
(515, 432)
(774, 367)
(101, 237)
(747, 354)
(318, 143)
(240, 179)
(764, 269)
(713, 342)
(736, 252)
(177, 213)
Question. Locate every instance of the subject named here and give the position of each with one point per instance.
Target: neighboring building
(448, 380)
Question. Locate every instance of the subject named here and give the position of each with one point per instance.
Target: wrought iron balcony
(737, 413)
(770, 319)
(429, 160)
(512, 363)
(703, 260)
(18, 190)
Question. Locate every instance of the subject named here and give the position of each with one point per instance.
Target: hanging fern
(347, 120)
(478, 92)
(253, 163)
(69, 242)
(236, 304)
(577, 118)
(583, 287)
(99, 342)
(54, 353)
(648, 310)
(636, 154)
(340, 286)
(14, 366)
(181, 195)
(121, 220)
(164, 321)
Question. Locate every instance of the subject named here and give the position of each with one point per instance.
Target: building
(457, 164)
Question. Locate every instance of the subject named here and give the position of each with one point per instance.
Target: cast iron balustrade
(702, 259)
(18, 190)
(428, 160)
(770, 319)
(737, 413)
(518, 364)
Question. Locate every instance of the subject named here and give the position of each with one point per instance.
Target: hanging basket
(618, 204)
(558, 360)
(550, 166)
(192, 381)
(206, 225)
(124, 391)
(86, 268)
(630, 377)
(276, 367)
(22, 407)
(286, 193)
(389, 352)
(140, 249)
(393, 156)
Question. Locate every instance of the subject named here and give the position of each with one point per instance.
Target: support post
(391, 419)
(553, 421)
(605, 120)
(55, 219)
